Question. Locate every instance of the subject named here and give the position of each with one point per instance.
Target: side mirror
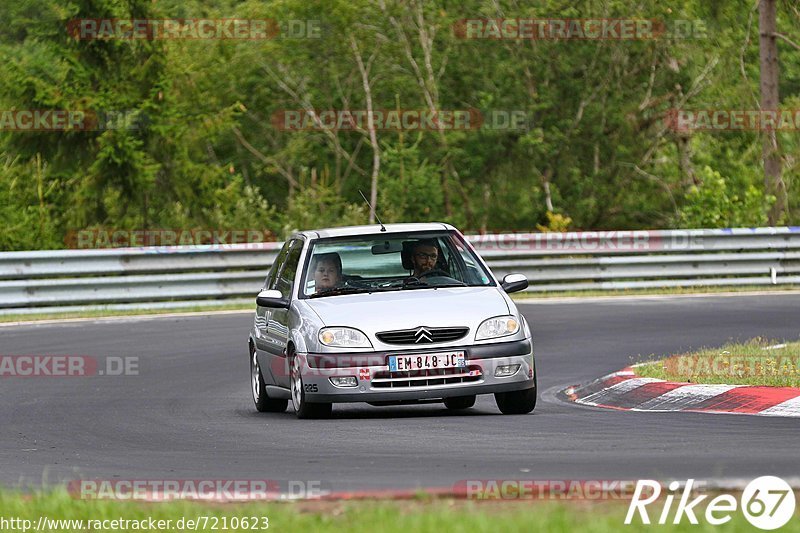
(514, 282)
(273, 299)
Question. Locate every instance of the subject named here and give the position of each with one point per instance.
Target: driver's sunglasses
(423, 255)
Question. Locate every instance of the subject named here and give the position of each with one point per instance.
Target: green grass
(666, 291)
(748, 363)
(101, 313)
(423, 514)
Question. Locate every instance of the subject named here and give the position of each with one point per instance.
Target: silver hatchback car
(394, 314)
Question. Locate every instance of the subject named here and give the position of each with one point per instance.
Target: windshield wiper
(414, 282)
(423, 285)
(340, 290)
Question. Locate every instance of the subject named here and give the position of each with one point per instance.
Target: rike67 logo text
(767, 502)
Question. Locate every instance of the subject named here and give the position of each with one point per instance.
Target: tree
(768, 48)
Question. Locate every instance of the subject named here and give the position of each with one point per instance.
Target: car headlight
(499, 326)
(343, 338)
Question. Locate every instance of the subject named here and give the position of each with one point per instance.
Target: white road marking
(790, 407)
(620, 388)
(684, 397)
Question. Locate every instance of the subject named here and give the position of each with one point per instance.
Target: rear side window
(269, 283)
(289, 269)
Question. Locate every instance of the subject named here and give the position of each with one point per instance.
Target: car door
(262, 318)
(277, 334)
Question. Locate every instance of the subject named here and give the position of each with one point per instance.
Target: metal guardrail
(178, 276)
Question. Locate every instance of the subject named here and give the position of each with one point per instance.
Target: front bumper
(377, 384)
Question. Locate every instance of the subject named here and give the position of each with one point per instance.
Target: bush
(713, 204)
(321, 206)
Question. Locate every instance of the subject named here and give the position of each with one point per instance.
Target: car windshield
(394, 262)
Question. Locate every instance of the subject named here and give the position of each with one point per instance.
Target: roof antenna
(383, 228)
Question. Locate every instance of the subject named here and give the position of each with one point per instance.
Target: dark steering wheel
(435, 272)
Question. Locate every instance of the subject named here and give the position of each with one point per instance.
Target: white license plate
(426, 361)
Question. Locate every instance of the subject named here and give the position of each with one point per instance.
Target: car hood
(387, 311)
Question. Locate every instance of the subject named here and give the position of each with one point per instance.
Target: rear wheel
(459, 402)
(264, 403)
(303, 408)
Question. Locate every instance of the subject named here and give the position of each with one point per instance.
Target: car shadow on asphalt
(381, 413)
(405, 411)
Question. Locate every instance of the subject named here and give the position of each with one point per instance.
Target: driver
(424, 256)
(327, 271)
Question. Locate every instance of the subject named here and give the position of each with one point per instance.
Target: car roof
(373, 229)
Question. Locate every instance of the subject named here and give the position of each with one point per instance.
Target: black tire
(302, 408)
(264, 404)
(459, 402)
(518, 402)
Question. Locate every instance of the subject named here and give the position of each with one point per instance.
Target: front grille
(427, 378)
(422, 335)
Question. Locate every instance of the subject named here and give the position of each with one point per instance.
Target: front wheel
(264, 404)
(518, 402)
(303, 408)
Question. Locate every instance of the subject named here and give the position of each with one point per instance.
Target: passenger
(327, 271)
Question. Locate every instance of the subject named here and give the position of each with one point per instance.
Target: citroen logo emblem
(421, 335)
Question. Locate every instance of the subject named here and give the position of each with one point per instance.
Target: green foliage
(713, 204)
(555, 223)
(321, 206)
(28, 206)
(410, 188)
(203, 151)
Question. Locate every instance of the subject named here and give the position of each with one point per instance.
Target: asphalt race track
(189, 414)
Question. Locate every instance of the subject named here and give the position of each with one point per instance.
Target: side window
(473, 274)
(269, 283)
(453, 263)
(285, 278)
